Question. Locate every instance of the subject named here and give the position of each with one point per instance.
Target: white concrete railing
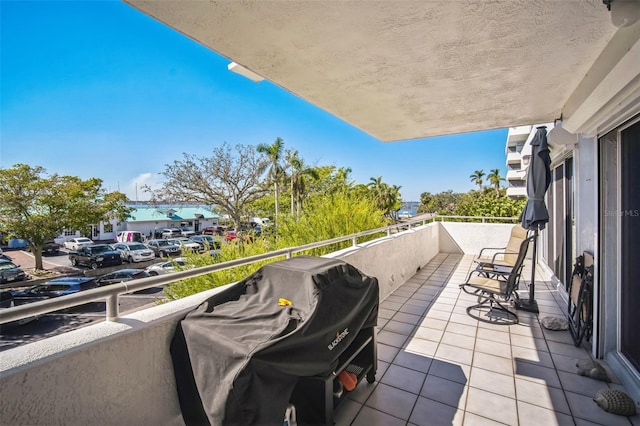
(120, 373)
(111, 292)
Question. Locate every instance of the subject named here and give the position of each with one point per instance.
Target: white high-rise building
(518, 152)
(516, 173)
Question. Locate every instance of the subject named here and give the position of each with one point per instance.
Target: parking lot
(60, 322)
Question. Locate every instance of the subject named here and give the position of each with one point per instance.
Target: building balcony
(517, 191)
(436, 365)
(514, 158)
(516, 175)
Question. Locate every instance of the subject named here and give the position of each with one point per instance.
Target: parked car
(95, 256)
(130, 236)
(134, 252)
(256, 231)
(9, 271)
(171, 233)
(163, 247)
(205, 242)
(214, 230)
(230, 235)
(6, 301)
(262, 221)
(121, 276)
(187, 232)
(4, 255)
(53, 288)
(76, 243)
(186, 244)
(165, 267)
(50, 247)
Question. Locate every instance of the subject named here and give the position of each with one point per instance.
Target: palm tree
(299, 172)
(495, 178)
(477, 178)
(387, 198)
(378, 191)
(274, 152)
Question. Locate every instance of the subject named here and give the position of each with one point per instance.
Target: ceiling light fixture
(245, 72)
(623, 12)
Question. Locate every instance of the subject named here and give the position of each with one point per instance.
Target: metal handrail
(111, 292)
(483, 218)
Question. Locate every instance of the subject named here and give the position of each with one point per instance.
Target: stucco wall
(121, 373)
(395, 259)
(104, 374)
(470, 238)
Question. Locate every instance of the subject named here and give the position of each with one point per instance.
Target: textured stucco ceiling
(408, 69)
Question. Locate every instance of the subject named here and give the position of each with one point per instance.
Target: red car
(230, 236)
(213, 230)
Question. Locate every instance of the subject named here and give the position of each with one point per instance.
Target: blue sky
(97, 89)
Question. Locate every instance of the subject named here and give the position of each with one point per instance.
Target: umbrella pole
(531, 305)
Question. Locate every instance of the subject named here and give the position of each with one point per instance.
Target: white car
(134, 252)
(168, 233)
(186, 244)
(76, 243)
(165, 267)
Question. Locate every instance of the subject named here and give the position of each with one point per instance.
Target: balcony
(514, 158)
(517, 192)
(516, 175)
(436, 365)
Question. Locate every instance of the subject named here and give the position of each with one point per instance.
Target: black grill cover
(238, 355)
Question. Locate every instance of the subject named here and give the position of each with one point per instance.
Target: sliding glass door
(629, 219)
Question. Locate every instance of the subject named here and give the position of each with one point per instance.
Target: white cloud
(134, 188)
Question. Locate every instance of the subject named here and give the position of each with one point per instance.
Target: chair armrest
(493, 259)
(489, 270)
(490, 248)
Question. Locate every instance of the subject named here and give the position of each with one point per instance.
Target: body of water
(409, 208)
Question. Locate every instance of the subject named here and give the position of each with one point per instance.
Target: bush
(486, 203)
(324, 217)
(229, 251)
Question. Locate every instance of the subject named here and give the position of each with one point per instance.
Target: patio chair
(502, 256)
(496, 289)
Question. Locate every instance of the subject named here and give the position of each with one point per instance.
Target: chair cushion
(487, 284)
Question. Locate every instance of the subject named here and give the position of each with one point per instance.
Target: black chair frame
(495, 288)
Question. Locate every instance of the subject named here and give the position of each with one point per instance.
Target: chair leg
(493, 304)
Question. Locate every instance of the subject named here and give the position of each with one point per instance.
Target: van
(130, 236)
(262, 221)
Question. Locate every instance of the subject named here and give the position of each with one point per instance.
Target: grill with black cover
(238, 356)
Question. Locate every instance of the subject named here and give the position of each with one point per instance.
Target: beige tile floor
(439, 366)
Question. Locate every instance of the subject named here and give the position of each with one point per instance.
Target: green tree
(37, 207)
(476, 178)
(299, 175)
(495, 178)
(330, 180)
(229, 179)
(274, 152)
(477, 203)
(386, 197)
(425, 199)
(443, 203)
